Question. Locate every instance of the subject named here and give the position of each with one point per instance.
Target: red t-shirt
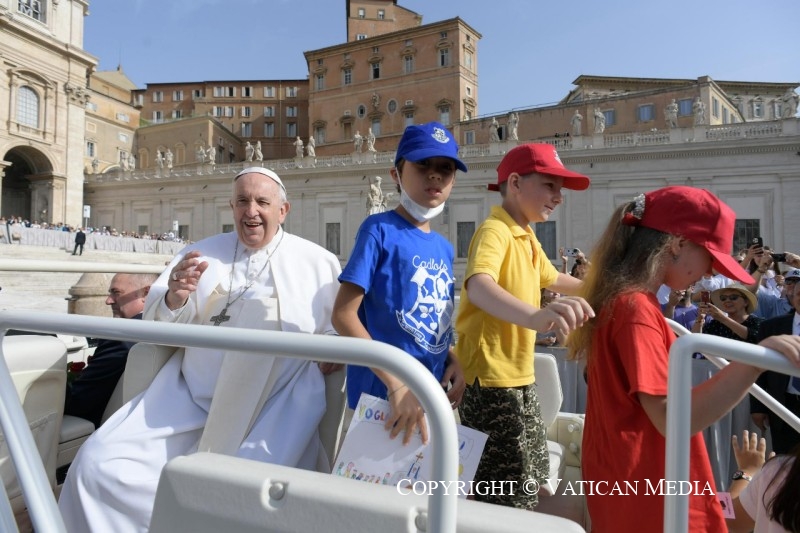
(620, 443)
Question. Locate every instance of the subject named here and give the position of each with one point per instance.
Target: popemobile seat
(145, 361)
(548, 390)
(38, 368)
(564, 436)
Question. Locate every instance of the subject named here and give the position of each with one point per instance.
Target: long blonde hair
(626, 258)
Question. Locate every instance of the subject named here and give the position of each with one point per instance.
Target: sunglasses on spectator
(731, 297)
(791, 281)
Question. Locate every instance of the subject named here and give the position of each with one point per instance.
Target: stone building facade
(633, 106)
(752, 167)
(368, 18)
(111, 123)
(43, 94)
(387, 81)
(272, 112)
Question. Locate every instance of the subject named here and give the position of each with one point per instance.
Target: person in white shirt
(764, 497)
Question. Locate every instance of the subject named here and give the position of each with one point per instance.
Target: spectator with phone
(581, 265)
(772, 282)
(679, 307)
(779, 284)
(769, 304)
(551, 337)
(707, 284)
(753, 255)
(730, 311)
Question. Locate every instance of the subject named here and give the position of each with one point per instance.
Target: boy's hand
(406, 415)
(454, 377)
(563, 314)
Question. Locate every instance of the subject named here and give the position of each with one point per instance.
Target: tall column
(3, 166)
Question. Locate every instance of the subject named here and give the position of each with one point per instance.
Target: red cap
(694, 214)
(541, 158)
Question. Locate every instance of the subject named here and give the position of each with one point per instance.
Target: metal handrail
(38, 494)
(37, 265)
(760, 394)
(679, 407)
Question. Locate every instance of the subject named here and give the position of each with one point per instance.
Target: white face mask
(417, 212)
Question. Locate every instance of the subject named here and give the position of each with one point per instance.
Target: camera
(779, 258)
(572, 252)
(758, 241)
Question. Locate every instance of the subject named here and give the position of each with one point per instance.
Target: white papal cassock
(111, 484)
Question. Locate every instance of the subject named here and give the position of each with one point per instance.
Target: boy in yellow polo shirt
(499, 315)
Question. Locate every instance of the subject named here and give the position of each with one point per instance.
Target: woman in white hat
(730, 310)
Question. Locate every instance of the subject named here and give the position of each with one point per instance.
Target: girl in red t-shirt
(670, 236)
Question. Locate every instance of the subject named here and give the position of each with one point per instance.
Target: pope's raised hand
(183, 279)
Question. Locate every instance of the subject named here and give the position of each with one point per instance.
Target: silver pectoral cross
(220, 318)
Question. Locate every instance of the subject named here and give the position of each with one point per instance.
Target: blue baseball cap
(428, 140)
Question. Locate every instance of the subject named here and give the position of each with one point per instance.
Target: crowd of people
(13, 222)
(398, 287)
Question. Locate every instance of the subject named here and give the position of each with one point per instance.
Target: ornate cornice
(76, 93)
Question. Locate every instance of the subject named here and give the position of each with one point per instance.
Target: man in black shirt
(88, 395)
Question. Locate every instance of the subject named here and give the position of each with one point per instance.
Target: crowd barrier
(66, 240)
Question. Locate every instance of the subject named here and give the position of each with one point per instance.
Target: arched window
(27, 107)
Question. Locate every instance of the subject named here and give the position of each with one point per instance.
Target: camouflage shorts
(517, 446)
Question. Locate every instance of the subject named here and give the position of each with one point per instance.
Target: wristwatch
(739, 474)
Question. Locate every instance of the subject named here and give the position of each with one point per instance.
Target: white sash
(245, 379)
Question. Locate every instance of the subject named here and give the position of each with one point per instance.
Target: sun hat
(423, 141)
(749, 297)
(695, 214)
(537, 157)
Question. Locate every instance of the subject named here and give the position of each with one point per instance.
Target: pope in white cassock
(258, 277)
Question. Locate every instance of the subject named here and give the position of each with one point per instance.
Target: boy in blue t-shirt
(398, 285)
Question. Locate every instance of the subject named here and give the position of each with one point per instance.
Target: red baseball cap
(537, 157)
(695, 214)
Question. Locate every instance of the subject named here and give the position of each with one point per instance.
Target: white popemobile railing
(761, 395)
(679, 404)
(33, 480)
(36, 265)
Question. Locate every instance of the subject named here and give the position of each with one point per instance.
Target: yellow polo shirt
(500, 354)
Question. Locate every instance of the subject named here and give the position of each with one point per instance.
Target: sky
(529, 54)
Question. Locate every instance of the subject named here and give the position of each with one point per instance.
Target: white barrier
(679, 406)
